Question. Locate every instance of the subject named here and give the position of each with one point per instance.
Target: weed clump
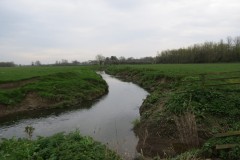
(58, 146)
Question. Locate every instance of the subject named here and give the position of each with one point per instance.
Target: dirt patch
(158, 139)
(31, 102)
(17, 84)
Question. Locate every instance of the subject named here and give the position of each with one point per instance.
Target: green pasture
(180, 69)
(19, 73)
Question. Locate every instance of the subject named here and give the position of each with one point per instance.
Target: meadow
(188, 104)
(8, 74)
(179, 69)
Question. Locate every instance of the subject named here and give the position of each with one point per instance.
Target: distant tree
(64, 62)
(208, 52)
(100, 59)
(122, 58)
(7, 64)
(130, 59)
(113, 58)
(37, 63)
(75, 62)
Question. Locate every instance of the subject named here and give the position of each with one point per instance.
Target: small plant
(189, 155)
(136, 122)
(29, 130)
(209, 150)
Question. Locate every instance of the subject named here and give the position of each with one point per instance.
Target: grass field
(183, 97)
(18, 73)
(180, 69)
(68, 85)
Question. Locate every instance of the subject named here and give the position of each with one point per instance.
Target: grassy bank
(59, 146)
(27, 88)
(188, 105)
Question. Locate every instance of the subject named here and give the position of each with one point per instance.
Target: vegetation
(60, 86)
(10, 74)
(188, 104)
(7, 64)
(209, 52)
(58, 146)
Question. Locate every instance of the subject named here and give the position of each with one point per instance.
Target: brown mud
(31, 102)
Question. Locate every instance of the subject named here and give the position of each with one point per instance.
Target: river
(109, 120)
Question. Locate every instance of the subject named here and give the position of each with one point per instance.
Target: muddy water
(109, 120)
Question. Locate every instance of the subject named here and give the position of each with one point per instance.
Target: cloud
(49, 30)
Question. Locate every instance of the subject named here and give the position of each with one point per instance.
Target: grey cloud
(71, 29)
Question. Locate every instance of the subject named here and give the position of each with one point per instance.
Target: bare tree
(100, 58)
(37, 63)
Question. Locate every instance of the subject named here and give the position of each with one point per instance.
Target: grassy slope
(217, 109)
(59, 84)
(59, 146)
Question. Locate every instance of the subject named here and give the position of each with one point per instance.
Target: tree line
(7, 64)
(208, 52)
(100, 59)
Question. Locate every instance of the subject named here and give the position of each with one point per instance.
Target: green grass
(69, 85)
(179, 69)
(59, 146)
(19, 73)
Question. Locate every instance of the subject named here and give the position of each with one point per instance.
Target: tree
(37, 63)
(208, 52)
(64, 61)
(75, 62)
(122, 58)
(7, 64)
(101, 59)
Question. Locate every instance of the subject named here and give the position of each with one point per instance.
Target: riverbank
(47, 87)
(184, 111)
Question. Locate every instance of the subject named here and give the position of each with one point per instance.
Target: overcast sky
(50, 30)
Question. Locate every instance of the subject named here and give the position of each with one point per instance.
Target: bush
(58, 146)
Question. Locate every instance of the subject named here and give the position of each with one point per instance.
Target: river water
(109, 120)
